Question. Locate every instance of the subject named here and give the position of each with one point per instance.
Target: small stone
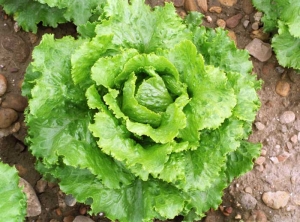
(7, 117)
(257, 216)
(54, 220)
(216, 9)
(291, 208)
(289, 146)
(238, 217)
(178, 3)
(15, 101)
(33, 204)
(260, 34)
(259, 168)
(263, 152)
(41, 186)
(294, 139)
(82, 210)
(181, 13)
(3, 84)
(279, 69)
(227, 211)
(247, 201)
(14, 70)
(202, 5)
(82, 219)
(255, 26)
(19, 147)
(190, 5)
(283, 157)
(274, 159)
(287, 117)
(228, 3)
(276, 200)
(34, 38)
(221, 23)
(299, 136)
(69, 218)
(233, 21)
(248, 190)
(17, 27)
(247, 6)
(260, 50)
(257, 16)
(21, 170)
(208, 19)
(246, 23)
(260, 160)
(232, 36)
(260, 126)
(70, 200)
(282, 88)
(58, 212)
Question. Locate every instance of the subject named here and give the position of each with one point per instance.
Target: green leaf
(136, 26)
(12, 199)
(286, 47)
(28, 13)
(75, 10)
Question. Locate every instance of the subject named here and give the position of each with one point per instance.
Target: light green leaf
(286, 47)
(137, 26)
(12, 199)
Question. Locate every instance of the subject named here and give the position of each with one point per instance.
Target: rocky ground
(270, 192)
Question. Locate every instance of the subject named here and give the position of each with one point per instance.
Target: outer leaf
(28, 13)
(76, 10)
(286, 47)
(12, 199)
(136, 26)
(291, 16)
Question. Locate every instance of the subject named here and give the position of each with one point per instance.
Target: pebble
(260, 126)
(33, 204)
(287, 117)
(279, 69)
(299, 136)
(208, 19)
(282, 88)
(70, 200)
(276, 200)
(202, 5)
(274, 159)
(257, 16)
(294, 139)
(248, 201)
(246, 23)
(82, 210)
(260, 168)
(7, 117)
(190, 5)
(283, 157)
(233, 21)
(41, 186)
(257, 216)
(216, 9)
(82, 219)
(255, 26)
(228, 3)
(10, 130)
(221, 23)
(69, 218)
(260, 50)
(260, 34)
(34, 38)
(260, 160)
(15, 101)
(263, 152)
(3, 84)
(238, 217)
(247, 6)
(232, 36)
(18, 46)
(248, 190)
(289, 146)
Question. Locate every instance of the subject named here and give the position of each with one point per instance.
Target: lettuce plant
(29, 13)
(145, 116)
(12, 199)
(284, 16)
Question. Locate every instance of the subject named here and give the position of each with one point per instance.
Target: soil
(278, 170)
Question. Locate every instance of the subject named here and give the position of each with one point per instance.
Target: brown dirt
(275, 137)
